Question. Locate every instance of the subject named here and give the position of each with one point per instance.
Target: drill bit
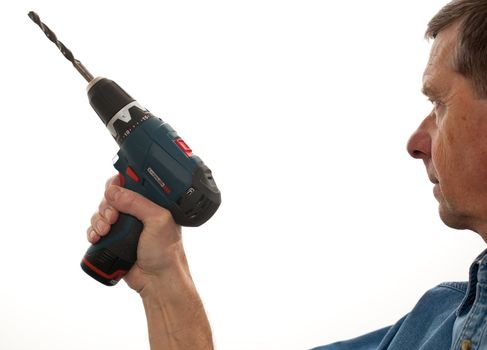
(64, 50)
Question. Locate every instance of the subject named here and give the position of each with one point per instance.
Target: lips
(433, 180)
(430, 170)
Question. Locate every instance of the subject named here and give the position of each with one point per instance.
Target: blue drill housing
(154, 162)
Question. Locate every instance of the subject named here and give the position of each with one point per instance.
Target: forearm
(175, 315)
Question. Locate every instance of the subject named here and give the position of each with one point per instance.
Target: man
(451, 141)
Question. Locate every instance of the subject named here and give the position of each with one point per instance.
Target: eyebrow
(429, 90)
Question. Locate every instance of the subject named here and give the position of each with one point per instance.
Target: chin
(454, 219)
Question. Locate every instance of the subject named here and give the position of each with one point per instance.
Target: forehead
(441, 60)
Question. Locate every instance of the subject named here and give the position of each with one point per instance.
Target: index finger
(114, 180)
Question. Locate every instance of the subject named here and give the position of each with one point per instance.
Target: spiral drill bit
(64, 50)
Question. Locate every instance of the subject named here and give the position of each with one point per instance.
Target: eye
(438, 110)
(436, 103)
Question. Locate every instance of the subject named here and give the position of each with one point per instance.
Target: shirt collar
(477, 274)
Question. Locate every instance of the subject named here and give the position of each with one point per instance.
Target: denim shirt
(451, 316)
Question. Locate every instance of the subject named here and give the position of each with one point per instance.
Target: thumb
(132, 203)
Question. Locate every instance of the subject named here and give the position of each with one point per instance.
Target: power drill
(153, 161)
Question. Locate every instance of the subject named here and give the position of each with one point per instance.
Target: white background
(302, 109)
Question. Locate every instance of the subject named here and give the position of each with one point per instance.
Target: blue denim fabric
(451, 316)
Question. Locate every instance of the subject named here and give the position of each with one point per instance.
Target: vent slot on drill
(105, 257)
(201, 204)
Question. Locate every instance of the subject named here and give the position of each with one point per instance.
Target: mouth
(433, 180)
(431, 172)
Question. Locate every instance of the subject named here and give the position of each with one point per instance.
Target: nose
(419, 144)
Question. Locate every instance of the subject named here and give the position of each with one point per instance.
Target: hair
(471, 52)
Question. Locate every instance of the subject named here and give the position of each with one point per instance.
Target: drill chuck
(107, 98)
(114, 107)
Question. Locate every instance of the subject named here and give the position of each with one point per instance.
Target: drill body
(153, 161)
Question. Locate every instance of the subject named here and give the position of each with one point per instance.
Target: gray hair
(471, 52)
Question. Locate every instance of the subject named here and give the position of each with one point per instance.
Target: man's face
(452, 140)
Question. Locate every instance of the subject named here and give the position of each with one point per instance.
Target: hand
(176, 317)
(160, 251)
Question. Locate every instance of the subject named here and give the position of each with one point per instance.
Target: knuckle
(111, 180)
(109, 213)
(113, 217)
(129, 199)
(102, 205)
(91, 235)
(161, 217)
(94, 218)
(101, 226)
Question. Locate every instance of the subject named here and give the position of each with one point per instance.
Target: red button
(184, 147)
(121, 178)
(131, 173)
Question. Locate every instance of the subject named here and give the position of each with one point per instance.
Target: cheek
(447, 157)
(458, 157)
(439, 157)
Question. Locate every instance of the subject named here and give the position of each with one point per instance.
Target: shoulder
(431, 319)
(438, 304)
(446, 295)
(459, 287)
(446, 291)
(434, 312)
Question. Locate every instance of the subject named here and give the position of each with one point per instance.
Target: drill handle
(113, 255)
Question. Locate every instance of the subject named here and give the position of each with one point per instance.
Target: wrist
(175, 314)
(160, 269)
(173, 282)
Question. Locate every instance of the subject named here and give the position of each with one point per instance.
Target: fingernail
(113, 193)
(92, 235)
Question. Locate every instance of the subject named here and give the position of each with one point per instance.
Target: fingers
(104, 217)
(92, 236)
(118, 199)
(114, 180)
(132, 203)
(101, 222)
